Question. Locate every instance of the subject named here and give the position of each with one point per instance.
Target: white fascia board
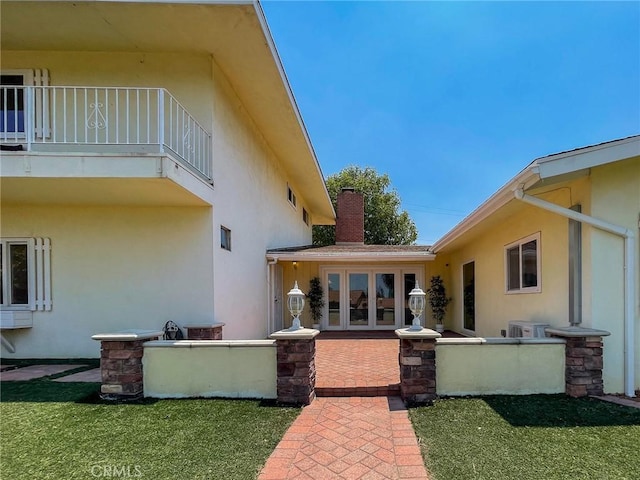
(589, 157)
(350, 257)
(524, 179)
(294, 105)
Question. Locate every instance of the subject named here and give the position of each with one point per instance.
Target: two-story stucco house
(151, 153)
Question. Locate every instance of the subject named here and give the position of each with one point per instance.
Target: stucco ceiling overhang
(234, 33)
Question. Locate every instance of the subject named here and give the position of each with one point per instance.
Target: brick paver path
(362, 367)
(355, 438)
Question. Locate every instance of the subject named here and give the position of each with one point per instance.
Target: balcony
(104, 120)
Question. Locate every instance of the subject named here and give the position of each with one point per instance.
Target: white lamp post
(295, 302)
(416, 305)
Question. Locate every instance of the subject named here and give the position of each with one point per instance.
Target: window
(305, 216)
(225, 238)
(522, 260)
(25, 265)
(291, 197)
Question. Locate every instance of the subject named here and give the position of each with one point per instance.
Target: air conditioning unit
(518, 329)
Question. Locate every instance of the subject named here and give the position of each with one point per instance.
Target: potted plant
(438, 301)
(316, 301)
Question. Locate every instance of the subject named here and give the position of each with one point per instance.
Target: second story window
(225, 238)
(291, 197)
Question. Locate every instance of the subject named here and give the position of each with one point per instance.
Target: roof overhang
(353, 256)
(543, 172)
(234, 33)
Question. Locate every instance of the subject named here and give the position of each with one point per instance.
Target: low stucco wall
(486, 366)
(210, 368)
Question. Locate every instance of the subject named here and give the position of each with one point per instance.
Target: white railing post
(29, 117)
(161, 119)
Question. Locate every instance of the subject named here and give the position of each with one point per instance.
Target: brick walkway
(358, 429)
(356, 438)
(362, 367)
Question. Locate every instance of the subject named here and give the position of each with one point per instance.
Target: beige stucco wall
(210, 369)
(488, 369)
(615, 198)
(251, 200)
(250, 186)
(494, 307)
(114, 268)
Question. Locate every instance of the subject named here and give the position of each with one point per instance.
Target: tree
(384, 223)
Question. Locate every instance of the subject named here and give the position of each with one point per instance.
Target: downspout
(629, 277)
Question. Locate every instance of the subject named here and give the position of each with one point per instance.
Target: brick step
(377, 391)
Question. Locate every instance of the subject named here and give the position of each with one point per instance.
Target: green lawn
(529, 437)
(63, 431)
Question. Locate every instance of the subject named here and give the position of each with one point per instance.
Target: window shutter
(42, 277)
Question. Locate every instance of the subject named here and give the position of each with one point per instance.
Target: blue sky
(452, 99)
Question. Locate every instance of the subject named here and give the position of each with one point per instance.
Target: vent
(518, 329)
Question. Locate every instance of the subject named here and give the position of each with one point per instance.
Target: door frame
(462, 287)
(399, 295)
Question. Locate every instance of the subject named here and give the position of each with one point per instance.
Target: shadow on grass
(45, 390)
(560, 411)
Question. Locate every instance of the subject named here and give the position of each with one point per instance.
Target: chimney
(350, 221)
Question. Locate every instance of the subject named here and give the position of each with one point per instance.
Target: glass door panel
(385, 299)
(409, 284)
(469, 299)
(358, 299)
(333, 294)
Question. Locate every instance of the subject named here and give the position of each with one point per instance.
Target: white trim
(344, 270)
(518, 243)
(588, 157)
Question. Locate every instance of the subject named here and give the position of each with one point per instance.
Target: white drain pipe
(7, 344)
(629, 277)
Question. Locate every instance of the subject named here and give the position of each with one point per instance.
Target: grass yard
(529, 437)
(63, 431)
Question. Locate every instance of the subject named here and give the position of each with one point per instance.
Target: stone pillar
(583, 360)
(296, 365)
(204, 331)
(417, 360)
(121, 363)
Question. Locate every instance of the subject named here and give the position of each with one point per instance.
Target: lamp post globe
(416, 305)
(295, 302)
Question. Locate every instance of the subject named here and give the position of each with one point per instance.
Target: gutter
(629, 277)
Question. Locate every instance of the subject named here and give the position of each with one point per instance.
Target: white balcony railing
(134, 119)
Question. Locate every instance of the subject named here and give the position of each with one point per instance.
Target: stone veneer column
(417, 360)
(212, 331)
(121, 363)
(583, 360)
(296, 352)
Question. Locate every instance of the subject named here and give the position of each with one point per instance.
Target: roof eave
(524, 179)
(350, 257)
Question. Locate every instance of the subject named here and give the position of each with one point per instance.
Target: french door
(367, 298)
